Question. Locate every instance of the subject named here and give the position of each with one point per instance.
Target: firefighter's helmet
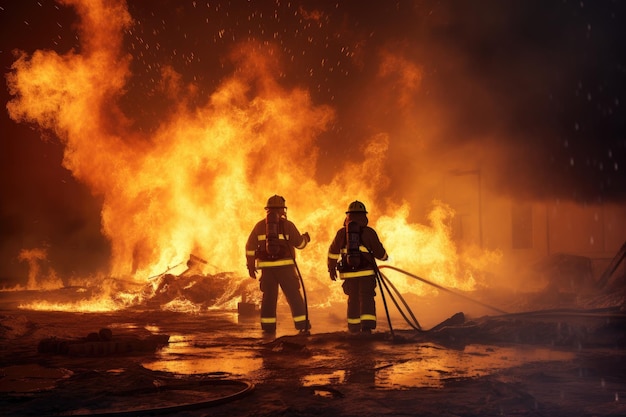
(275, 201)
(356, 207)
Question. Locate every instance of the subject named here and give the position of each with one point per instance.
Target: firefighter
(270, 248)
(351, 256)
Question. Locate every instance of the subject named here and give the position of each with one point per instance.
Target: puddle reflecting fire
(432, 366)
(189, 355)
(336, 377)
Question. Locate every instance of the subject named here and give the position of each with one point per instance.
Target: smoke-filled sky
(532, 93)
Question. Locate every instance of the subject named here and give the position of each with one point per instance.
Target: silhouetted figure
(351, 255)
(270, 248)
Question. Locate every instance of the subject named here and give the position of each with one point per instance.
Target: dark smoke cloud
(533, 90)
(555, 80)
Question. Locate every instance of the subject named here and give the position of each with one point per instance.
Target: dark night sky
(542, 80)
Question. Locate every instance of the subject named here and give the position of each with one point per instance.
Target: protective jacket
(278, 269)
(370, 248)
(289, 238)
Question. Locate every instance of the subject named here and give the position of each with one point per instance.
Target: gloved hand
(306, 237)
(252, 272)
(333, 274)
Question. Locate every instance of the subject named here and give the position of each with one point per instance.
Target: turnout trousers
(361, 303)
(286, 278)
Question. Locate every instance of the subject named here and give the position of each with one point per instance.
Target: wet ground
(217, 363)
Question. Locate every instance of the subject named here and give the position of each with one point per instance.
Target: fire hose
(414, 323)
(382, 294)
(385, 284)
(307, 325)
(169, 406)
(443, 288)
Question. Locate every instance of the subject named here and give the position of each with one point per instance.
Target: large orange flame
(199, 182)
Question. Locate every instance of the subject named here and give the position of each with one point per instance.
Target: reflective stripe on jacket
(290, 236)
(370, 248)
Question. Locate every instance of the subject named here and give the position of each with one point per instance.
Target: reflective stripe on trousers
(357, 274)
(363, 317)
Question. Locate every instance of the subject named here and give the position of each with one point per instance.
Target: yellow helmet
(275, 201)
(356, 207)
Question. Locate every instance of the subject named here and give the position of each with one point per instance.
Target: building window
(522, 226)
